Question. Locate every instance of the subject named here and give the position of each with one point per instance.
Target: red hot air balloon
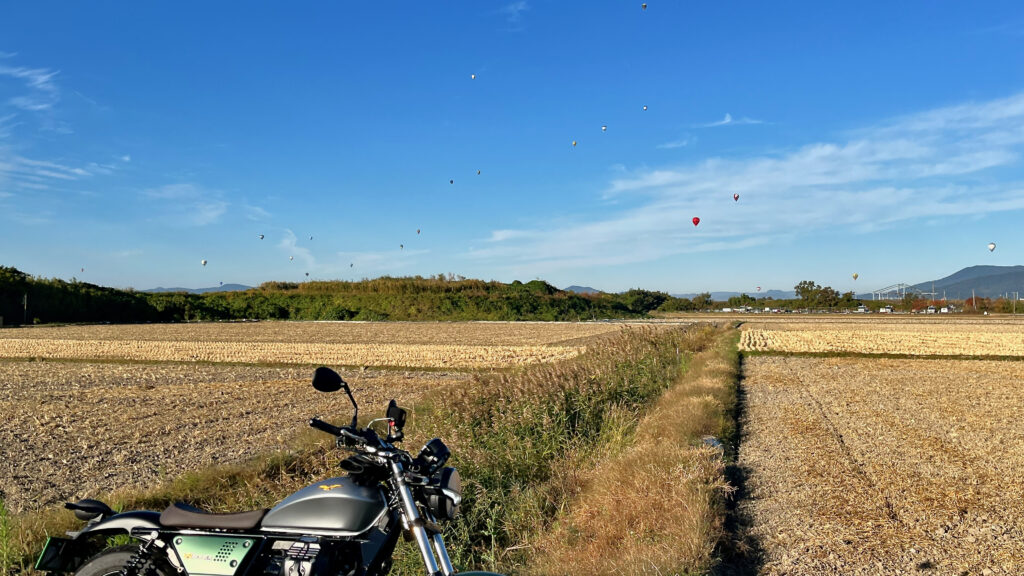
(736, 197)
(696, 220)
(758, 288)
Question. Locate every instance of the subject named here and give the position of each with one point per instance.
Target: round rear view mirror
(327, 380)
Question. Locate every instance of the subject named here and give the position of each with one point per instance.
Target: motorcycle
(343, 526)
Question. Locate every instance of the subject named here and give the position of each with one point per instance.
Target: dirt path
(880, 466)
(74, 430)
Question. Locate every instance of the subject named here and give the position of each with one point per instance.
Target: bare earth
(885, 466)
(72, 429)
(75, 430)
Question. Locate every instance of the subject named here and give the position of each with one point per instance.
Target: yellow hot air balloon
(573, 143)
(855, 275)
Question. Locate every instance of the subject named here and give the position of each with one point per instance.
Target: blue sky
(139, 138)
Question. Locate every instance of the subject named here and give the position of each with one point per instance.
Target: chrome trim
(412, 515)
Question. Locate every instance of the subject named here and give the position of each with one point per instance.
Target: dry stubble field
(865, 465)
(74, 427)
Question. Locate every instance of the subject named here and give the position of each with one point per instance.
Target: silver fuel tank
(335, 506)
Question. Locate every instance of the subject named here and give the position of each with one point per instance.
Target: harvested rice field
(884, 466)
(421, 345)
(75, 430)
(92, 409)
(953, 338)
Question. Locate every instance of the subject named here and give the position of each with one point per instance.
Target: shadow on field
(740, 551)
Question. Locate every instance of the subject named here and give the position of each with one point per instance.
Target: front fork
(428, 544)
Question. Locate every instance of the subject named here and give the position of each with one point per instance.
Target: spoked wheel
(112, 560)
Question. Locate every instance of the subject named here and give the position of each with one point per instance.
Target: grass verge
(656, 506)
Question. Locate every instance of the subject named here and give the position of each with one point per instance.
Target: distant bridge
(894, 292)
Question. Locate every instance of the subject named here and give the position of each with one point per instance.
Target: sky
(568, 141)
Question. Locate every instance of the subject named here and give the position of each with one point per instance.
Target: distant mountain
(724, 296)
(582, 290)
(224, 288)
(986, 281)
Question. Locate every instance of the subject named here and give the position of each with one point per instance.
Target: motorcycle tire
(110, 562)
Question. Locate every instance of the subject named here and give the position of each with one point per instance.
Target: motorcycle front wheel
(112, 560)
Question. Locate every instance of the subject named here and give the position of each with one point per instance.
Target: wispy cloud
(913, 168)
(680, 143)
(730, 121)
(255, 213)
(513, 14)
(188, 204)
(395, 261)
(289, 245)
(43, 92)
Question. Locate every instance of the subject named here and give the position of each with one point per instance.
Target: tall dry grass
(658, 506)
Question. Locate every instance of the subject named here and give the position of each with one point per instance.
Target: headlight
(444, 493)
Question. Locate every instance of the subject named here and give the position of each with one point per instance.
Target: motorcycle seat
(181, 515)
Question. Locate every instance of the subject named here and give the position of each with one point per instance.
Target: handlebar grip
(324, 426)
(351, 438)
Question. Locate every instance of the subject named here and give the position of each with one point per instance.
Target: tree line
(25, 299)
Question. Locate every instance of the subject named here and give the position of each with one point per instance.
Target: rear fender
(62, 555)
(138, 523)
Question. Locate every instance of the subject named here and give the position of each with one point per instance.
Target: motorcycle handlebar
(324, 426)
(353, 438)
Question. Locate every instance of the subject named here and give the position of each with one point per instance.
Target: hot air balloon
(477, 172)
(401, 246)
(472, 76)
(310, 237)
(758, 288)
(203, 262)
(307, 274)
(696, 220)
(451, 181)
(83, 269)
(645, 108)
(736, 197)
(417, 231)
(261, 236)
(573, 143)
(221, 283)
(991, 246)
(604, 128)
(643, 6)
(290, 258)
(351, 265)
(855, 276)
